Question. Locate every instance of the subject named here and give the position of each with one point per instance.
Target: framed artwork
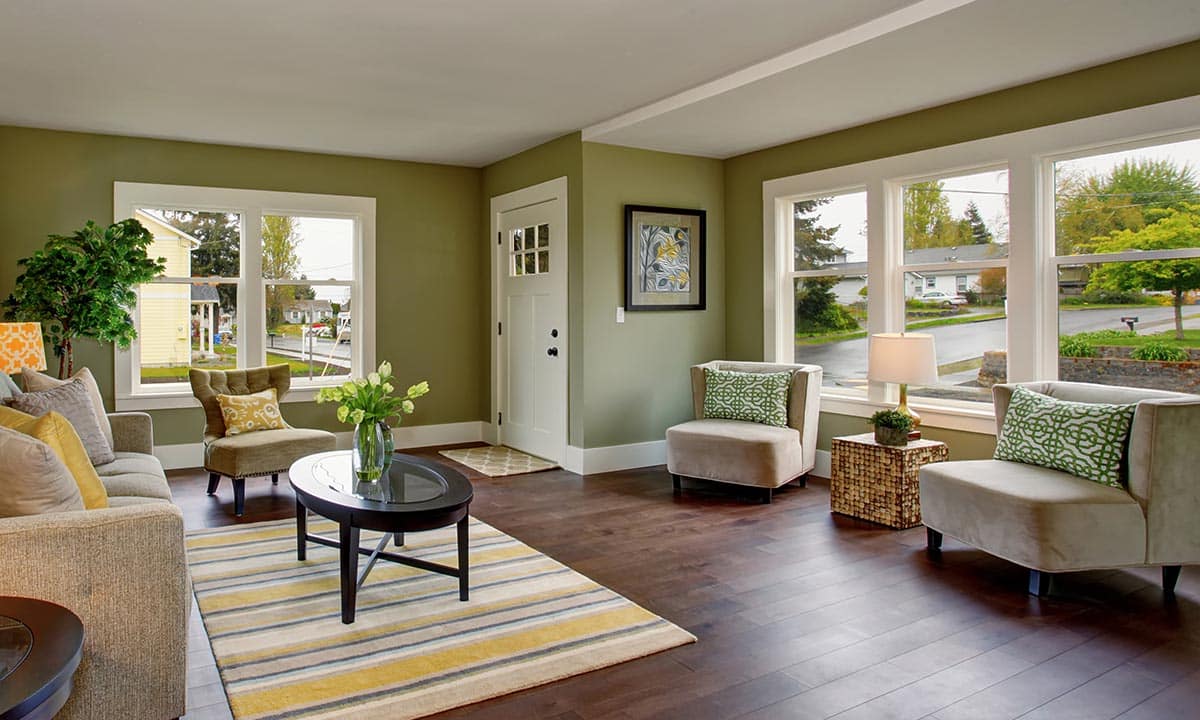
(664, 258)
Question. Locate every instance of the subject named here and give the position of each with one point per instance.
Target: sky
(989, 190)
(326, 250)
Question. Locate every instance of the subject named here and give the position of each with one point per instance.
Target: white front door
(532, 328)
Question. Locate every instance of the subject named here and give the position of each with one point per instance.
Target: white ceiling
(469, 81)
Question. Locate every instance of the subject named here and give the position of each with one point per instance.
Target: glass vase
(368, 454)
(389, 444)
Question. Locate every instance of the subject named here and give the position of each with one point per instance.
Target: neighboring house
(308, 312)
(917, 283)
(206, 308)
(164, 310)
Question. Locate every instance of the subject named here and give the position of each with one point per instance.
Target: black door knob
(552, 352)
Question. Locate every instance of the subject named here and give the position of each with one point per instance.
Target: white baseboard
(587, 461)
(824, 464)
(191, 455)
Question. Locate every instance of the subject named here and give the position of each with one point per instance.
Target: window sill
(981, 420)
(185, 399)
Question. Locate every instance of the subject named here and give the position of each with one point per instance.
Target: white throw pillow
(35, 480)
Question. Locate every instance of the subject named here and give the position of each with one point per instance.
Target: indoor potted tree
(85, 285)
(892, 427)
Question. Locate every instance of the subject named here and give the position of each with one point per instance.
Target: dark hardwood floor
(803, 614)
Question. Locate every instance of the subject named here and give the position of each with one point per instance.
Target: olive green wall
(562, 157)
(635, 374)
(427, 235)
(1142, 80)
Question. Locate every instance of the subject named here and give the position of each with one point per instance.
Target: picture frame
(664, 258)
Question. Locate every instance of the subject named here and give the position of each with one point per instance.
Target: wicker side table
(878, 482)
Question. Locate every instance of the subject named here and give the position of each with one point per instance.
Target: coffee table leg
(463, 562)
(301, 530)
(348, 549)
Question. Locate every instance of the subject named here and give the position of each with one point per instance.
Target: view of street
(845, 361)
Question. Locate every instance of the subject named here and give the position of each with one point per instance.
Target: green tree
(1174, 229)
(927, 220)
(976, 228)
(219, 252)
(280, 262)
(993, 284)
(84, 285)
(1089, 208)
(814, 244)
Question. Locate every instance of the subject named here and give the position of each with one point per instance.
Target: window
(829, 285)
(993, 245)
(953, 225)
(1127, 320)
(246, 285)
(529, 251)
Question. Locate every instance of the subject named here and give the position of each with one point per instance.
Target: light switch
(620, 314)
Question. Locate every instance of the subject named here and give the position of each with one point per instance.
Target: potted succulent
(892, 427)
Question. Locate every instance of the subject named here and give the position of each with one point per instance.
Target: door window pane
(530, 254)
(969, 330)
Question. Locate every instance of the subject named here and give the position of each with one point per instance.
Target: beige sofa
(122, 570)
(1050, 521)
(747, 453)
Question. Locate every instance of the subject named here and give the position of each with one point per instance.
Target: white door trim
(550, 191)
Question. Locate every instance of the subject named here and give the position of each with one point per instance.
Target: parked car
(937, 297)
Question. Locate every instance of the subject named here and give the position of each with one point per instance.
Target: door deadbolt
(554, 333)
(552, 352)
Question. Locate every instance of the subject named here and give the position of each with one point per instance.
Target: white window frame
(252, 205)
(1032, 265)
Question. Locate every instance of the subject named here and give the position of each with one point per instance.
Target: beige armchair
(253, 454)
(747, 453)
(1050, 521)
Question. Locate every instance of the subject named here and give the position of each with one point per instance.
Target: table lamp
(904, 358)
(21, 347)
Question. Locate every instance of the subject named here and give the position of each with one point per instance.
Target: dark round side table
(40, 647)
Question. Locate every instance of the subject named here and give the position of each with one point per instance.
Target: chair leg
(676, 484)
(802, 481)
(1170, 574)
(1040, 582)
(239, 496)
(213, 480)
(933, 541)
(274, 478)
(767, 495)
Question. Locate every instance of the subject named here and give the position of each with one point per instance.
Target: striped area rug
(414, 649)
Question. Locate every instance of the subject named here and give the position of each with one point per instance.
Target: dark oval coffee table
(414, 494)
(40, 647)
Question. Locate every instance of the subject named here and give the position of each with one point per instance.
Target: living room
(390, 162)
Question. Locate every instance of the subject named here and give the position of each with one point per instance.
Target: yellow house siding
(164, 311)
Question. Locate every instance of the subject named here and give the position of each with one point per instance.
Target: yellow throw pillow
(248, 413)
(54, 430)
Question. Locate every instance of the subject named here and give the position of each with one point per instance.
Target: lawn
(1191, 339)
(916, 325)
(228, 362)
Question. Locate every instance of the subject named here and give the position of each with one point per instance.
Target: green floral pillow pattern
(1084, 439)
(755, 397)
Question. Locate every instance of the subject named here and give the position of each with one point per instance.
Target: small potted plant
(891, 427)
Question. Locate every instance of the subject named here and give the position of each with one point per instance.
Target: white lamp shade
(902, 358)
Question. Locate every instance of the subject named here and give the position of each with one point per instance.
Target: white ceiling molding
(824, 47)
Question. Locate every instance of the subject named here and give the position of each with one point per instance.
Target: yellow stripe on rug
(414, 649)
(498, 460)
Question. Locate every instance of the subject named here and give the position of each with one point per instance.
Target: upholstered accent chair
(251, 454)
(748, 453)
(1051, 521)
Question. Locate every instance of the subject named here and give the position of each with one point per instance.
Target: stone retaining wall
(1176, 376)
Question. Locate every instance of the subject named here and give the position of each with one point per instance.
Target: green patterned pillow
(1084, 439)
(756, 397)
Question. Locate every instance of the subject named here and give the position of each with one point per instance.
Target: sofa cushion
(264, 452)
(36, 382)
(749, 396)
(735, 451)
(1087, 440)
(134, 475)
(35, 480)
(54, 430)
(73, 402)
(1034, 516)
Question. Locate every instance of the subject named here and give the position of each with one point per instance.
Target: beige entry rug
(498, 460)
(414, 649)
